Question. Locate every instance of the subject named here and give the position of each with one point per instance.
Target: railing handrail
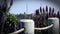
(44, 28)
(18, 31)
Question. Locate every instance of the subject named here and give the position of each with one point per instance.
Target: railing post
(28, 26)
(55, 22)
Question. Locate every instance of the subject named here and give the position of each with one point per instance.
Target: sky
(21, 6)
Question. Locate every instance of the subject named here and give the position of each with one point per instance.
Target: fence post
(55, 22)
(28, 25)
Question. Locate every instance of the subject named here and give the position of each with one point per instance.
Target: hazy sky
(30, 6)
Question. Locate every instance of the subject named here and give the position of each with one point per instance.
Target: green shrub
(12, 19)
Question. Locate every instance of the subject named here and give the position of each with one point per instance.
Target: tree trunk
(2, 22)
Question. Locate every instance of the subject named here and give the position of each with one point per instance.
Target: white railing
(27, 23)
(19, 31)
(16, 32)
(44, 28)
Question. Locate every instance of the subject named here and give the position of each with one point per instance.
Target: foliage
(12, 19)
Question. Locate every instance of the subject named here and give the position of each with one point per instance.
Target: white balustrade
(29, 26)
(55, 21)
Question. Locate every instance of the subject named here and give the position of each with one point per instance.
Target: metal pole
(28, 25)
(55, 21)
